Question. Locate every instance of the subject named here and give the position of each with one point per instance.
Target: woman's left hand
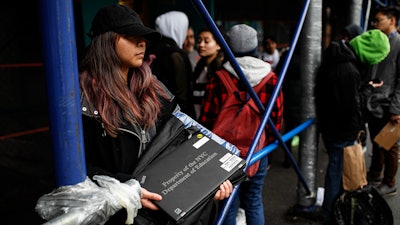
(147, 197)
(225, 189)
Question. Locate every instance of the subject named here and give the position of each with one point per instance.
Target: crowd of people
(133, 78)
(357, 88)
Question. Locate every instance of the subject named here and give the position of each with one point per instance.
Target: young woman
(123, 104)
(211, 59)
(242, 40)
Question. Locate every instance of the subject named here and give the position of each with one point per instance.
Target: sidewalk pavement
(280, 189)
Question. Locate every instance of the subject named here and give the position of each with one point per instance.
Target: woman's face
(207, 46)
(270, 46)
(130, 50)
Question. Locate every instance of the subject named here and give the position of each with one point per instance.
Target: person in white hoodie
(171, 64)
(242, 40)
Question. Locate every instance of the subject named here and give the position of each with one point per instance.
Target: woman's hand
(146, 198)
(225, 189)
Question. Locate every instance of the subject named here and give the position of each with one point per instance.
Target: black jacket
(173, 68)
(116, 157)
(126, 155)
(338, 100)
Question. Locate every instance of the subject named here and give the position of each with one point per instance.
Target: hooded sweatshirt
(253, 68)
(171, 64)
(371, 47)
(352, 30)
(338, 98)
(173, 24)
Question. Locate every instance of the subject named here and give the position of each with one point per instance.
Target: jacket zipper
(142, 137)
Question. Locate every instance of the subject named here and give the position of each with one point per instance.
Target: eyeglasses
(377, 20)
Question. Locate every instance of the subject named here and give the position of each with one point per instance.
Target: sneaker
(241, 217)
(385, 190)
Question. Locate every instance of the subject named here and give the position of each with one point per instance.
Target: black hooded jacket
(338, 100)
(173, 68)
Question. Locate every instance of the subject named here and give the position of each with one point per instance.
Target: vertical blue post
(60, 59)
(206, 16)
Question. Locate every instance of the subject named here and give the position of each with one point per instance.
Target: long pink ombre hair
(103, 85)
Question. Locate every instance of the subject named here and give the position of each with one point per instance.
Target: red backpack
(239, 118)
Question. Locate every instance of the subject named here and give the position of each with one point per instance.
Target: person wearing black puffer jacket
(339, 102)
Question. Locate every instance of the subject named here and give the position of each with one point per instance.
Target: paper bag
(389, 135)
(354, 174)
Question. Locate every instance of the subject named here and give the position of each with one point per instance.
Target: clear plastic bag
(90, 203)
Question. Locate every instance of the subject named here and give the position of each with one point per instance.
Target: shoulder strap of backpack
(226, 80)
(262, 83)
(230, 86)
(258, 87)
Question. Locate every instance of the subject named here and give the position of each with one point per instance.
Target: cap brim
(143, 31)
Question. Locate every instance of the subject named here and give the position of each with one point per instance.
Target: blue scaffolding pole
(209, 21)
(60, 59)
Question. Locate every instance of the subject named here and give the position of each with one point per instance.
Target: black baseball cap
(122, 20)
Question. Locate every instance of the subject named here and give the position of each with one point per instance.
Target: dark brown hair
(390, 12)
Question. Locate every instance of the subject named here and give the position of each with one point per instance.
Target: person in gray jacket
(384, 104)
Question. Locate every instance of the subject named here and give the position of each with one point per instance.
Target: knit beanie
(242, 39)
(371, 47)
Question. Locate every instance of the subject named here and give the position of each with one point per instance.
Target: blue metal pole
(269, 148)
(203, 12)
(60, 58)
(275, 94)
(266, 117)
(257, 156)
(224, 46)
